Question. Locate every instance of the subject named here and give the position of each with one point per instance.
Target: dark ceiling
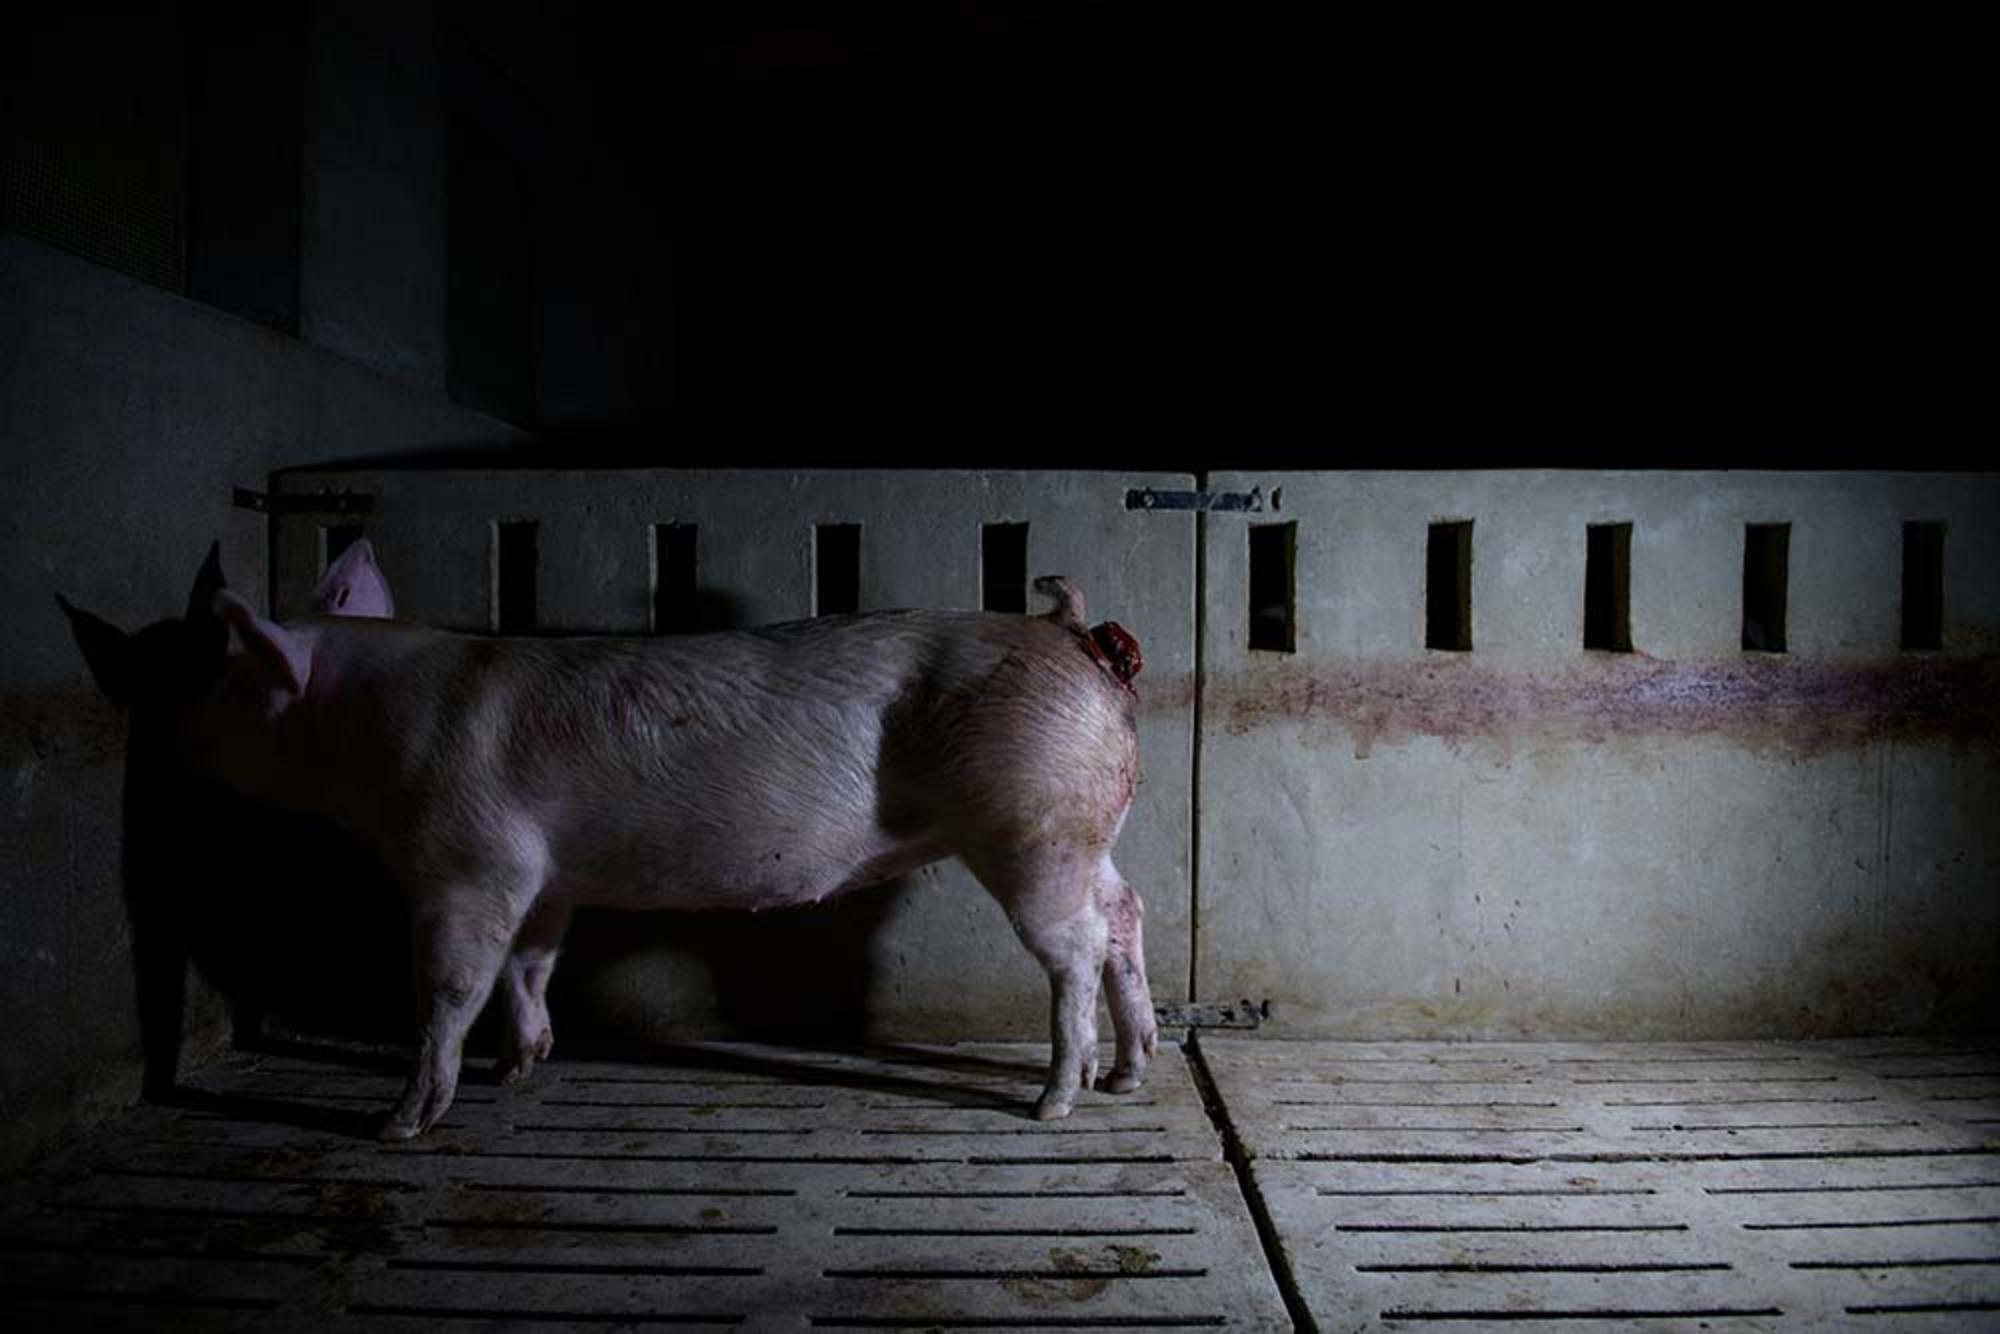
(1121, 233)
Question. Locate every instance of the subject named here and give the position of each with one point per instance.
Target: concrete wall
(373, 153)
(381, 85)
(929, 957)
(1527, 839)
(1532, 839)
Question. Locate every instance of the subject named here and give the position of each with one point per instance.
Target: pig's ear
(107, 651)
(274, 651)
(201, 600)
(354, 586)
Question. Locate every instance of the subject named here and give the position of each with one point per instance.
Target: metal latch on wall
(1211, 1014)
(1251, 501)
(313, 502)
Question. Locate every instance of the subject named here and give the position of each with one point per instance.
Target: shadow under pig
(799, 975)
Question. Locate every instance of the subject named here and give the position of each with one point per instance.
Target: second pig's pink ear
(275, 651)
(353, 586)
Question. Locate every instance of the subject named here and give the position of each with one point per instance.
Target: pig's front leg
(524, 982)
(461, 934)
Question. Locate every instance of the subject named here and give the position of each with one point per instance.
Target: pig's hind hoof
(517, 1064)
(517, 1068)
(1123, 1081)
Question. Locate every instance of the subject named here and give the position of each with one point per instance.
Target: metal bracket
(1211, 1014)
(1251, 501)
(316, 502)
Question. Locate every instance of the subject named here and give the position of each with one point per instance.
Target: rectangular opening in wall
(1003, 567)
(1273, 586)
(836, 569)
(1766, 553)
(335, 538)
(1448, 587)
(1607, 587)
(1923, 585)
(675, 609)
(515, 561)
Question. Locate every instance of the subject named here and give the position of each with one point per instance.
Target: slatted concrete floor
(1712, 1186)
(750, 1187)
(1688, 1186)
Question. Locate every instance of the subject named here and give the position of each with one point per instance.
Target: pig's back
(773, 766)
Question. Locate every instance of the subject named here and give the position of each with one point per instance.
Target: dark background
(1102, 233)
(988, 234)
(238, 238)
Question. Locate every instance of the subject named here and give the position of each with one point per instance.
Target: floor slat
(727, 1185)
(1676, 1186)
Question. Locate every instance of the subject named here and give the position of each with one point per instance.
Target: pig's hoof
(1051, 1108)
(1124, 1081)
(518, 1064)
(394, 1130)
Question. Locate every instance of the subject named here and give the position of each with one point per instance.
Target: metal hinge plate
(315, 502)
(1249, 502)
(1211, 1014)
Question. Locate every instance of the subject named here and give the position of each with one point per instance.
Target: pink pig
(505, 781)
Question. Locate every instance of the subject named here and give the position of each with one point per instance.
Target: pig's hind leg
(1131, 1000)
(460, 935)
(1050, 898)
(524, 981)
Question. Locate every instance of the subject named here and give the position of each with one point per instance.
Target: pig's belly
(724, 872)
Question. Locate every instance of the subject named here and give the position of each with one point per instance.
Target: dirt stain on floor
(1080, 1276)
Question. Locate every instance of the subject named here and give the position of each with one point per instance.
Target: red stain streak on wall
(1791, 705)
